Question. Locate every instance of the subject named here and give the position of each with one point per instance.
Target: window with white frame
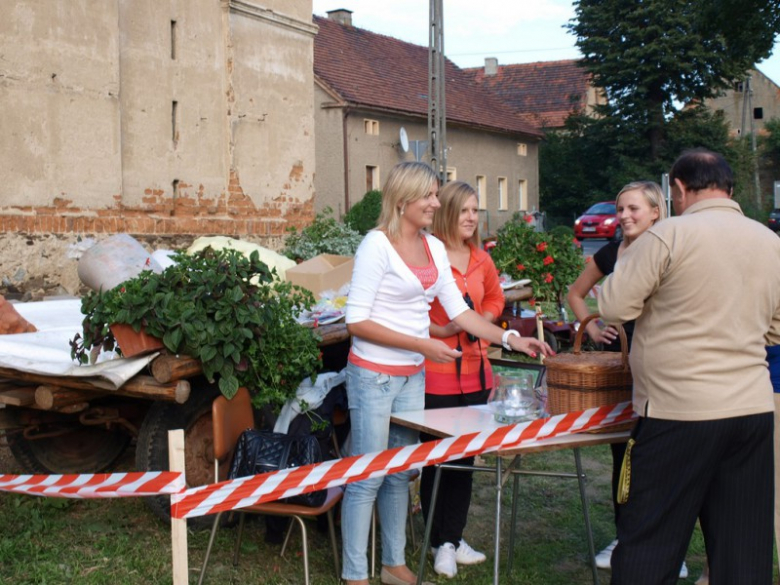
(372, 178)
(503, 196)
(371, 127)
(522, 149)
(482, 191)
(452, 174)
(522, 194)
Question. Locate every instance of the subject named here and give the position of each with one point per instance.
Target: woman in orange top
(468, 379)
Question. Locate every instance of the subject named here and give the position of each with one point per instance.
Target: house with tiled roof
(543, 94)
(368, 87)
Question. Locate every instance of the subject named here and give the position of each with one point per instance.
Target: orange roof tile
(380, 72)
(543, 93)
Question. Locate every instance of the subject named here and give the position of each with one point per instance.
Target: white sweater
(384, 290)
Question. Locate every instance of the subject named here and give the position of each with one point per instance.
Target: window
(522, 149)
(175, 123)
(372, 178)
(758, 113)
(371, 127)
(452, 174)
(739, 86)
(482, 191)
(173, 39)
(522, 195)
(503, 199)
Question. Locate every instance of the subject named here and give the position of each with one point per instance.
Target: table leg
(513, 525)
(429, 525)
(499, 485)
(586, 514)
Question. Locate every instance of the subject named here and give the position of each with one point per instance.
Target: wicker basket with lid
(580, 380)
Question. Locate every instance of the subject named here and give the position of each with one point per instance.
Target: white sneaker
(465, 555)
(684, 571)
(445, 563)
(604, 558)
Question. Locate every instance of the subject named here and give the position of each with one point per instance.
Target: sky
(515, 31)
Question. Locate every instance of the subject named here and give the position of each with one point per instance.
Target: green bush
(363, 215)
(325, 235)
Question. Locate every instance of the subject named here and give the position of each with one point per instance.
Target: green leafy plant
(363, 215)
(325, 235)
(551, 260)
(227, 310)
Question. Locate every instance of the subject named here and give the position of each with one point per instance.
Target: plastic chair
(230, 419)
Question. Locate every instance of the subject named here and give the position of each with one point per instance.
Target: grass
(95, 542)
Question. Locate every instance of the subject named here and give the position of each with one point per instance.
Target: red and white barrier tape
(248, 491)
(96, 485)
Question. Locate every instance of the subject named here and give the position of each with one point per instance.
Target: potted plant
(551, 260)
(229, 311)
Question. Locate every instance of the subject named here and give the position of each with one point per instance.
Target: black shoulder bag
(263, 451)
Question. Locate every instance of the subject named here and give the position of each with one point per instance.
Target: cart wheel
(194, 416)
(81, 450)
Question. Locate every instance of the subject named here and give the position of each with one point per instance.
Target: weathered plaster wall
(91, 141)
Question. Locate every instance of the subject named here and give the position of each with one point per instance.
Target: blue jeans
(372, 398)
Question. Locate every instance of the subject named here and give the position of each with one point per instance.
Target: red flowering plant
(551, 260)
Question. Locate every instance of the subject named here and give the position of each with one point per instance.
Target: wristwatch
(505, 338)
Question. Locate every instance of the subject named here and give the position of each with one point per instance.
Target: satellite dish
(404, 139)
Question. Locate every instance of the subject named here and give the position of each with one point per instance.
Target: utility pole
(747, 112)
(437, 118)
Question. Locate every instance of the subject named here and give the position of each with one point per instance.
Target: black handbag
(263, 451)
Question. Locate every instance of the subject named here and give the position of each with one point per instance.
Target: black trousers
(454, 497)
(719, 471)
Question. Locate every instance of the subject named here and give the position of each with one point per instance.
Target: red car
(599, 221)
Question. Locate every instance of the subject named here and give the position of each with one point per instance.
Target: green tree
(363, 215)
(650, 56)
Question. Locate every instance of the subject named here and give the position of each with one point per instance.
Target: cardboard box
(322, 273)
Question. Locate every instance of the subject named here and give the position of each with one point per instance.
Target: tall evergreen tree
(652, 55)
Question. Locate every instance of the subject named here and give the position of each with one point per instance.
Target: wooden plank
(18, 396)
(167, 367)
(48, 397)
(179, 561)
(137, 387)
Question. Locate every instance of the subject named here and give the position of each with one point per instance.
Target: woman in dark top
(639, 205)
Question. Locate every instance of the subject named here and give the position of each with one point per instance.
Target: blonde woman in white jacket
(399, 270)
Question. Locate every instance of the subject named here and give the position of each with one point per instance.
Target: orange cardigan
(482, 283)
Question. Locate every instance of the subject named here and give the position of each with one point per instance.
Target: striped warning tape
(96, 485)
(248, 491)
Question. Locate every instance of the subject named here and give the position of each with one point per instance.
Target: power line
(508, 52)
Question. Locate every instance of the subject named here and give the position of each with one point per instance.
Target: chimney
(491, 66)
(341, 15)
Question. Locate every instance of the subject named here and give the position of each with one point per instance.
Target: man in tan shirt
(704, 288)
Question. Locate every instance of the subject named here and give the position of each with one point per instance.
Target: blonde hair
(406, 182)
(652, 193)
(453, 197)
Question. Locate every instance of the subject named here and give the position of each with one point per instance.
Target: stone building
(371, 112)
(165, 120)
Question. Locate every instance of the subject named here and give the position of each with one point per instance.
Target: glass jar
(512, 399)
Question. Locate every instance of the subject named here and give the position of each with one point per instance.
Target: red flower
(577, 242)
(587, 259)
(520, 267)
(548, 278)
(549, 260)
(541, 247)
(529, 218)
(122, 289)
(532, 302)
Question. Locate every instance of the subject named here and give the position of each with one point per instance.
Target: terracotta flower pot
(134, 343)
